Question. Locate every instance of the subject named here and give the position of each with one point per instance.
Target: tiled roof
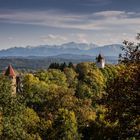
(10, 71)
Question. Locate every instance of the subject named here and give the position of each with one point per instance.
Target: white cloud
(53, 39)
(97, 21)
(109, 13)
(106, 26)
(113, 14)
(82, 38)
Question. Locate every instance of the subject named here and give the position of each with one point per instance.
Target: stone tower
(12, 76)
(100, 61)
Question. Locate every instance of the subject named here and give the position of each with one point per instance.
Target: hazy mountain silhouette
(70, 48)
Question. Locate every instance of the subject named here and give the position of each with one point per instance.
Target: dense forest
(81, 102)
(33, 63)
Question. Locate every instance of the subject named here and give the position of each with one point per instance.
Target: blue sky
(38, 22)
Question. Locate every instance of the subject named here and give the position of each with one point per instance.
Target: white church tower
(100, 61)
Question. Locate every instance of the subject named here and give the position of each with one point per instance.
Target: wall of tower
(13, 86)
(101, 64)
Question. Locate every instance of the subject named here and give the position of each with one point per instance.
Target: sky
(38, 22)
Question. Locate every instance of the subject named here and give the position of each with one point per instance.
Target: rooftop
(10, 71)
(99, 58)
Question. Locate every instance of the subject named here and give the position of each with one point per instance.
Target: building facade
(100, 61)
(10, 73)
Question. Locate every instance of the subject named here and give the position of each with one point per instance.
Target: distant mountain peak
(67, 48)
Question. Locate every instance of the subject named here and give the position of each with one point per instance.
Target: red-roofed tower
(10, 72)
(12, 76)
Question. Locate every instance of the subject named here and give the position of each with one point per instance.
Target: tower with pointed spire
(100, 61)
(12, 76)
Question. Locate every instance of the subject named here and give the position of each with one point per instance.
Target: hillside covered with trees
(79, 102)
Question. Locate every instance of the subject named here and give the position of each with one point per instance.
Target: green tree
(65, 126)
(63, 66)
(91, 81)
(54, 66)
(12, 126)
(70, 65)
(131, 51)
(52, 76)
(122, 99)
(71, 76)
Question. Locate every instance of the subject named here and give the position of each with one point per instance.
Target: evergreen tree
(70, 65)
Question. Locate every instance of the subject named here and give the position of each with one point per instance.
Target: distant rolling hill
(40, 62)
(40, 57)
